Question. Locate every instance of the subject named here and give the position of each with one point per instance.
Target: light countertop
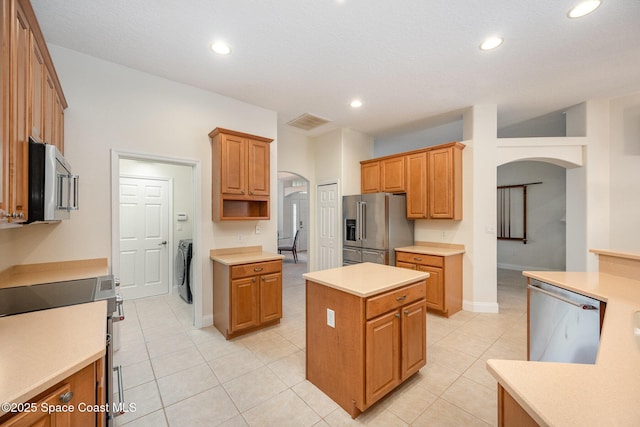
(431, 250)
(41, 348)
(31, 274)
(243, 255)
(365, 279)
(606, 393)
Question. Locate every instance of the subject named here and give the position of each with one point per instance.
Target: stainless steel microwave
(53, 189)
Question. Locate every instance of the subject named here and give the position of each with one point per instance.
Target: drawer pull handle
(417, 259)
(406, 312)
(402, 298)
(66, 397)
(258, 269)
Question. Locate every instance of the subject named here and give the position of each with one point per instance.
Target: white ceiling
(408, 60)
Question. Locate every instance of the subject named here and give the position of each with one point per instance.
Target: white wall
(625, 173)
(420, 138)
(356, 147)
(113, 107)
(546, 208)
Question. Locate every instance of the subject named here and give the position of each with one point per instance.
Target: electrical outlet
(444, 235)
(257, 228)
(240, 238)
(331, 318)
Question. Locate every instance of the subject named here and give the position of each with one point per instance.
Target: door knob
(164, 242)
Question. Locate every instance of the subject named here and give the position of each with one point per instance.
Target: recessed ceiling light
(491, 43)
(356, 103)
(584, 8)
(220, 48)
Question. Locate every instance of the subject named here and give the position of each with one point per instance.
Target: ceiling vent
(307, 122)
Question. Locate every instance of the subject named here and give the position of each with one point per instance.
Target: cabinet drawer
(255, 269)
(380, 304)
(434, 260)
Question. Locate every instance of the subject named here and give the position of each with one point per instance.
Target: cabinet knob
(253, 280)
(402, 298)
(398, 315)
(406, 312)
(251, 193)
(256, 269)
(66, 397)
(242, 192)
(417, 259)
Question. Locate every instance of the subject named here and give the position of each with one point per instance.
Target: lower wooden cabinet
(510, 413)
(246, 297)
(376, 343)
(68, 403)
(444, 285)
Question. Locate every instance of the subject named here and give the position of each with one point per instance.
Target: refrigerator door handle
(358, 221)
(363, 222)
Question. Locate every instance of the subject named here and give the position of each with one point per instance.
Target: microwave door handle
(59, 193)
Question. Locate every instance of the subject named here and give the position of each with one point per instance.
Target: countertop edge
(391, 286)
(431, 250)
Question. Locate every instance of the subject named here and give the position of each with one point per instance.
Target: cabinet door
(233, 165)
(417, 186)
(370, 177)
(442, 184)
(435, 287)
(270, 297)
(382, 355)
(58, 124)
(38, 70)
(392, 175)
(42, 418)
(48, 108)
(258, 168)
(18, 141)
(4, 109)
(245, 294)
(414, 338)
(408, 265)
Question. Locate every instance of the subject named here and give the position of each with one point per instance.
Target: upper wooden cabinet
(431, 178)
(28, 109)
(386, 175)
(240, 175)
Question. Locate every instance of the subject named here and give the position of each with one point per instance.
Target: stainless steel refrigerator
(373, 226)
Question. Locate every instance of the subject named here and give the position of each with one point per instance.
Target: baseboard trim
(480, 307)
(207, 320)
(524, 267)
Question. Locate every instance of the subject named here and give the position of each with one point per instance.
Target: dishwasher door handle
(561, 298)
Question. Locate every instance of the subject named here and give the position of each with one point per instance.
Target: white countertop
(431, 250)
(40, 349)
(243, 255)
(606, 393)
(365, 279)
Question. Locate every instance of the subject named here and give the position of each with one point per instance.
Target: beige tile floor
(181, 376)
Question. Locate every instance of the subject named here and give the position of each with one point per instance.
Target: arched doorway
(293, 215)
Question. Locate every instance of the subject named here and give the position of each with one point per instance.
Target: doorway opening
(543, 223)
(293, 220)
(154, 211)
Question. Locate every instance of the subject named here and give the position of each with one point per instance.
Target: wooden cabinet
(444, 285)
(431, 178)
(417, 185)
(510, 413)
(445, 182)
(26, 72)
(386, 175)
(370, 177)
(79, 391)
(375, 343)
(240, 175)
(246, 297)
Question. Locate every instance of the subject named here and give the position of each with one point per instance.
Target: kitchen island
(365, 331)
(564, 394)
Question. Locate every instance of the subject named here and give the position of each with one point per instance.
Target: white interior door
(328, 226)
(144, 233)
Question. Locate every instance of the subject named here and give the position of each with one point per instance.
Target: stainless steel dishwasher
(564, 326)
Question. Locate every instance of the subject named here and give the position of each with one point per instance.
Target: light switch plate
(331, 318)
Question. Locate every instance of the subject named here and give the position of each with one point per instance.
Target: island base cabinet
(510, 413)
(369, 348)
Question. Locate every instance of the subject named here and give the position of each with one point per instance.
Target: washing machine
(183, 269)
